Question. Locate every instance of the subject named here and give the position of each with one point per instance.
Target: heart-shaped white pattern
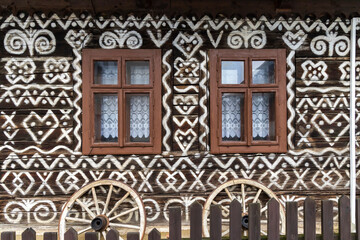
(188, 45)
(294, 40)
(49, 121)
(77, 40)
(185, 139)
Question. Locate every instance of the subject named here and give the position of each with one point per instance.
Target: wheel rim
(237, 189)
(103, 205)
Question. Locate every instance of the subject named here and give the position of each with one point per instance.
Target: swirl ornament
(41, 41)
(121, 38)
(256, 38)
(42, 211)
(339, 44)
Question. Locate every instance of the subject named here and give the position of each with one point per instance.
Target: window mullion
(121, 114)
(248, 116)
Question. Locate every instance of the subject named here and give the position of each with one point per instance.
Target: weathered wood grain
(196, 221)
(291, 220)
(235, 220)
(327, 222)
(215, 222)
(344, 218)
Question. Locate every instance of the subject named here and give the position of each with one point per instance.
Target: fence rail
(235, 223)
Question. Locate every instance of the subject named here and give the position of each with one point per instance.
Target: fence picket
(113, 234)
(196, 221)
(8, 235)
(175, 223)
(235, 223)
(327, 222)
(91, 236)
(215, 222)
(28, 234)
(358, 219)
(71, 234)
(291, 221)
(309, 219)
(132, 236)
(154, 235)
(50, 236)
(273, 221)
(254, 221)
(235, 220)
(344, 218)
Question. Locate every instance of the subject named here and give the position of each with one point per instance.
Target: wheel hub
(100, 223)
(245, 221)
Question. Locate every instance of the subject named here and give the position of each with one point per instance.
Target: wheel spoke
(229, 194)
(224, 208)
(124, 225)
(108, 199)
(95, 200)
(257, 195)
(103, 234)
(83, 230)
(124, 213)
(118, 204)
(86, 208)
(243, 197)
(78, 220)
(225, 232)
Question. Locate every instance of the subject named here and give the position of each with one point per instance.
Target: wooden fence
(235, 224)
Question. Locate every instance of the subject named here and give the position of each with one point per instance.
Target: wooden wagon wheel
(246, 191)
(103, 205)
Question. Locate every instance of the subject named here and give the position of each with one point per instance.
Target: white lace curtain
(105, 72)
(260, 115)
(231, 116)
(109, 117)
(139, 118)
(137, 72)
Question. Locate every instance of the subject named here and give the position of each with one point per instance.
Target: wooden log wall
(41, 163)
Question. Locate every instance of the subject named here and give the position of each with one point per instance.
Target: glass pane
(263, 72)
(105, 72)
(232, 110)
(106, 118)
(263, 116)
(138, 118)
(137, 72)
(232, 72)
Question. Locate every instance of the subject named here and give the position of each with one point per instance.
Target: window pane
(106, 118)
(138, 118)
(105, 72)
(232, 116)
(232, 72)
(263, 72)
(137, 72)
(263, 116)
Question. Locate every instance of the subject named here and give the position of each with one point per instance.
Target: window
(247, 101)
(121, 101)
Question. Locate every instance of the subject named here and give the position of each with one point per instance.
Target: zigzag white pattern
(166, 117)
(203, 117)
(291, 97)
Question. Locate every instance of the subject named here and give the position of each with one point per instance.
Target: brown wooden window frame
(121, 89)
(248, 145)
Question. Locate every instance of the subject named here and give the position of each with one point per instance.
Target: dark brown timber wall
(41, 80)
